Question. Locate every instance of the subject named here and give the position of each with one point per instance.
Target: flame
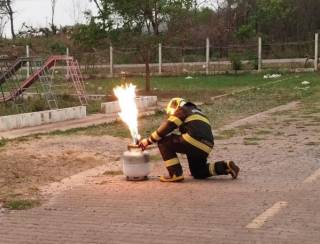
(126, 95)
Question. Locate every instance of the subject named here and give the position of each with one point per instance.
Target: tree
(7, 10)
(53, 8)
(78, 11)
(277, 19)
(3, 18)
(3, 23)
(137, 20)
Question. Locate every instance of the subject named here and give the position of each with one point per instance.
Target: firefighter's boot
(173, 178)
(233, 169)
(174, 169)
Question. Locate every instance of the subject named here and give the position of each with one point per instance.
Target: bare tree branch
(98, 6)
(10, 13)
(53, 8)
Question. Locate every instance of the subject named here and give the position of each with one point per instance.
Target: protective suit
(195, 140)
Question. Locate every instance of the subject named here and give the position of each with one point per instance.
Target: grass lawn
(167, 86)
(199, 88)
(227, 109)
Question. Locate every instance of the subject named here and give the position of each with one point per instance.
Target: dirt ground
(28, 164)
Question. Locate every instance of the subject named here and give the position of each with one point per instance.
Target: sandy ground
(27, 165)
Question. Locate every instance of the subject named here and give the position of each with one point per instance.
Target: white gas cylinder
(136, 164)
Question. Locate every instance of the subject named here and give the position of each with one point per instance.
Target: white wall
(143, 103)
(39, 118)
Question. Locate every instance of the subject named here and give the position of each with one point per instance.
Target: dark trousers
(170, 145)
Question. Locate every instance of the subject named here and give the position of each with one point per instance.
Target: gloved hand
(144, 143)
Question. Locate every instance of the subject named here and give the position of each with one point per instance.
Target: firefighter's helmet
(174, 104)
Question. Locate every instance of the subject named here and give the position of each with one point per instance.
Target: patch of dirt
(280, 110)
(28, 164)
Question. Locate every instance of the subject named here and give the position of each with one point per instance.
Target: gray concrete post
(67, 54)
(316, 51)
(207, 55)
(259, 54)
(111, 61)
(28, 63)
(160, 58)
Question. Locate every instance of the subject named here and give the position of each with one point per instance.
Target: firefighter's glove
(144, 143)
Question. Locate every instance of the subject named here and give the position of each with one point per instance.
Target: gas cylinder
(136, 164)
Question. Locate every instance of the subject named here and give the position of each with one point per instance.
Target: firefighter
(195, 140)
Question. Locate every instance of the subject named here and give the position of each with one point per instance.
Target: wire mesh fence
(288, 50)
(179, 59)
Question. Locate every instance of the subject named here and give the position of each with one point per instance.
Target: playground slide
(12, 69)
(33, 77)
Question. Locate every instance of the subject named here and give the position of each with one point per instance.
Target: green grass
(252, 140)
(200, 88)
(263, 132)
(258, 100)
(113, 172)
(117, 129)
(221, 83)
(3, 142)
(250, 143)
(35, 105)
(226, 134)
(21, 204)
(225, 110)
(316, 119)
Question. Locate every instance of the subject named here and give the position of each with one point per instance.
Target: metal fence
(206, 58)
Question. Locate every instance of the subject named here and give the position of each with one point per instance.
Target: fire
(126, 95)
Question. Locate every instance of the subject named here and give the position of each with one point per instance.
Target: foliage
(276, 19)
(139, 21)
(37, 105)
(178, 20)
(236, 62)
(245, 32)
(6, 10)
(58, 48)
(21, 204)
(89, 36)
(3, 142)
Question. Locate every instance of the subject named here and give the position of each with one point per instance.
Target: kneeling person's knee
(200, 174)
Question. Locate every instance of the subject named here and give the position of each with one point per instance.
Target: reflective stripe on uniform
(175, 120)
(155, 136)
(172, 162)
(197, 117)
(196, 143)
(212, 169)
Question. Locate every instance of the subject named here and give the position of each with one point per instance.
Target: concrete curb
(143, 103)
(19, 121)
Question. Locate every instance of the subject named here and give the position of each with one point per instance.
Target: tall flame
(126, 95)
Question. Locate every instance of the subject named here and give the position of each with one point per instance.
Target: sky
(38, 13)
